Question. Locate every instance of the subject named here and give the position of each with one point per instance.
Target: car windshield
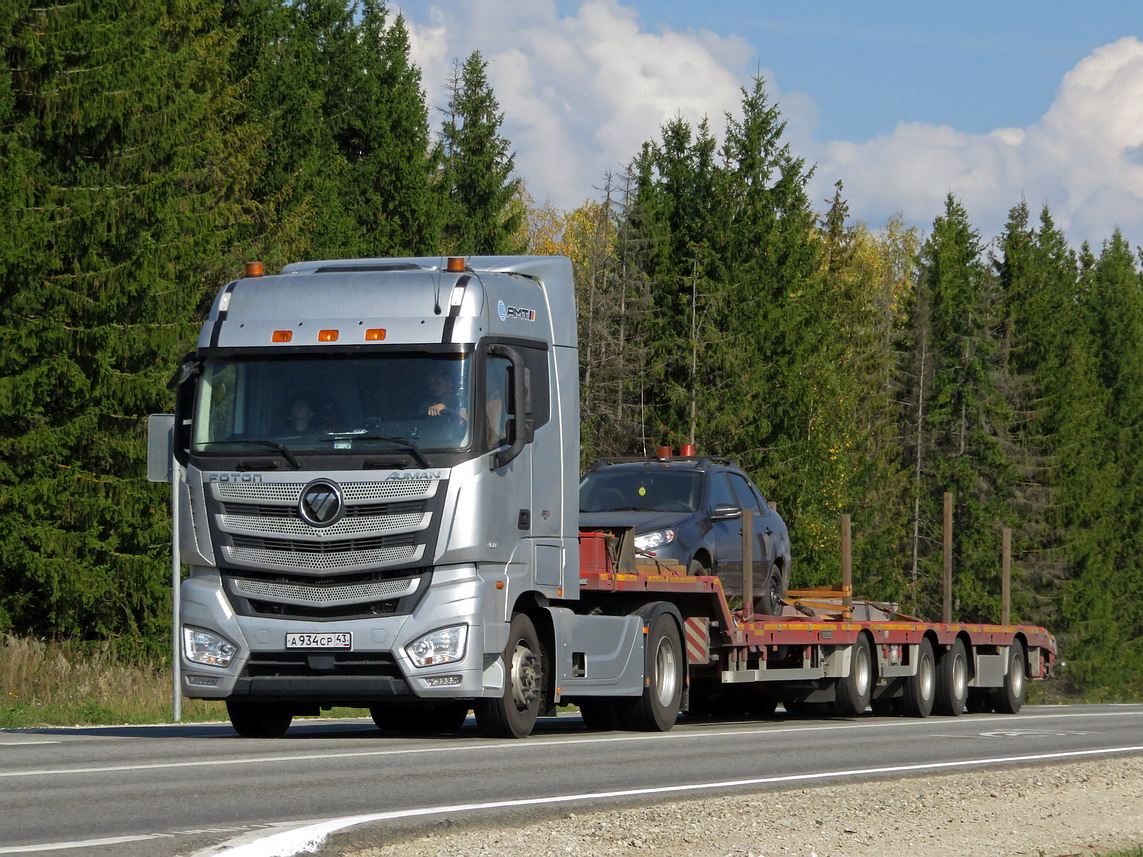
(641, 491)
(329, 403)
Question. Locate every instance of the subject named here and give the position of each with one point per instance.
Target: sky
(995, 101)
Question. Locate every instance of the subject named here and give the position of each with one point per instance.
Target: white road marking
(310, 836)
(532, 744)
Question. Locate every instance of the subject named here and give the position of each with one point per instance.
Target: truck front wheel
(513, 714)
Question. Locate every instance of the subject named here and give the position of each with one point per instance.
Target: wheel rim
(861, 677)
(960, 678)
(927, 678)
(1017, 676)
(666, 673)
(525, 676)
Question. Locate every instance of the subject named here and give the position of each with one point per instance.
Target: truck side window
(496, 401)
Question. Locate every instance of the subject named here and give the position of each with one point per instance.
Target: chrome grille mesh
(297, 528)
(325, 561)
(294, 593)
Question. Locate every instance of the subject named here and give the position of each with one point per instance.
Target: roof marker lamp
(375, 334)
(327, 336)
(281, 336)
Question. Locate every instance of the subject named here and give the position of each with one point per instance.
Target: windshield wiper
(401, 444)
(270, 444)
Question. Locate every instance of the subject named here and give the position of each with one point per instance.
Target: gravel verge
(1079, 808)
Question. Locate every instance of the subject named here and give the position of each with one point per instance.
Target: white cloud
(1082, 158)
(582, 92)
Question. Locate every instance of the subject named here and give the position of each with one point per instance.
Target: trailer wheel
(1008, 698)
(658, 708)
(855, 690)
(424, 718)
(920, 690)
(258, 720)
(952, 681)
(513, 714)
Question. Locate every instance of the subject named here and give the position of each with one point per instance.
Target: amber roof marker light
(455, 265)
(255, 269)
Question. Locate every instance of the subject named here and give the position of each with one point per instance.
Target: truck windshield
(328, 403)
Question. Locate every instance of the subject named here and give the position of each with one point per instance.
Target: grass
(85, 684)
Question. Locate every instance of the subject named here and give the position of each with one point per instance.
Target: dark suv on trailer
(687, 511)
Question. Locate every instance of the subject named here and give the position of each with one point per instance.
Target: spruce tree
(476, 184)
(128, 165)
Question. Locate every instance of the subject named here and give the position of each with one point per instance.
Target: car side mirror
(726, 512)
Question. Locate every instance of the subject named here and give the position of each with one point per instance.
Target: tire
(513, 714)
(919, 690)
(770, 601)
(697, 569)
(952, 681)
(258, 720)
(423, 718)
(856, 689)
(1008, 698)
(658, 707)
(599, 714)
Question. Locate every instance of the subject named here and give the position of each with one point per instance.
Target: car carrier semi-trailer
(375, 468)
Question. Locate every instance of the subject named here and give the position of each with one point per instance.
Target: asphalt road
(186, 789)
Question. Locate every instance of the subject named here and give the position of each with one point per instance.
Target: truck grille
(384, 524)
(339, 597)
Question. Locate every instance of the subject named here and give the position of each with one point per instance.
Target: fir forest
(148, 150)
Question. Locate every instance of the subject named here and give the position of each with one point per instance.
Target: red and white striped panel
(697, 632)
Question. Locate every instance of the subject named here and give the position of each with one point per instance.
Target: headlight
(443, 646)
(654, 540)
(203, 647)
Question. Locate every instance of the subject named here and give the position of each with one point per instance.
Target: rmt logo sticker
(514, 312)
(321, 504)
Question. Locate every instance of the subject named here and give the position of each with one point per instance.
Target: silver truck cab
(376, 471)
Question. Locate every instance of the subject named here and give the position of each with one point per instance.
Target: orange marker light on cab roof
(282, 336)
(327, 336)
(255, 269)
(374, 334)
(455, 265)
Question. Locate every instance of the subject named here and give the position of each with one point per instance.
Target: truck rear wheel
(513, 714)
(919, 691)
(658, 708)
(952, 681)
(258, 720)
(855, 690)
(1009, 697)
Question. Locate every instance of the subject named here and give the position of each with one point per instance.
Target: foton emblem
(321, 503)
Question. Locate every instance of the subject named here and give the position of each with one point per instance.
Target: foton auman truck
(375, 467)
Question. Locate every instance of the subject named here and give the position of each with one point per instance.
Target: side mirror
(726, 512)
(160, 443)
